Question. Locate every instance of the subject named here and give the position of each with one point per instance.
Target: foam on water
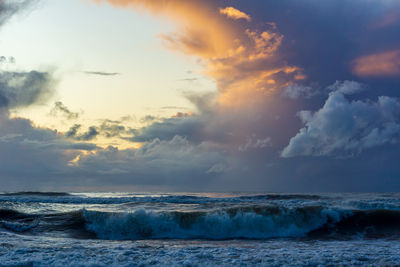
(39, 251)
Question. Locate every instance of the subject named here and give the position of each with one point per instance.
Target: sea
(199, 229)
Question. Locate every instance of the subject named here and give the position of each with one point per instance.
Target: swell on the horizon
(69, 198)
(36, 193)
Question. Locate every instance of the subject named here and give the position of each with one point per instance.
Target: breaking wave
(252, 222)
(246, 223)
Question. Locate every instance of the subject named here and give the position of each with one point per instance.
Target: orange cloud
(380, 64)
(243, 62)
(234, 13)
(199, 31)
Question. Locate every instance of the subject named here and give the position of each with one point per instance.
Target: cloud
(173, 108)
(240, 130)
(227, 128)
(111, 129)
(188, 127)
(27, 152)
(256, 143)
(378, 65)
(22, 89)
(343, 128)
(165, 163)
(7, 60)
(101, 73)
(205, 124)
(254, 63)
(9, 8)
(333, 40)
(107, 128)
(294, 91)
(89, 135)
(234, 13)
(37, 158)
(189, 79)
(244, 62)
(73, 131)
(59, 107)
(346, 87)
(149, 119)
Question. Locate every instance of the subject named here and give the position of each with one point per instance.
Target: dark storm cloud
(27, 149)
(191, 126)
(168, 128)
(163, 163)
(325, 37)
(21, 89)
(232, 127)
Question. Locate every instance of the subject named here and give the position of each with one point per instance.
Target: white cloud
(342, 127)
(346, 87)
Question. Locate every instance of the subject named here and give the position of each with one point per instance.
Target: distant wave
(66, 198)
(283, 197)
(33, 193)
(256, 222)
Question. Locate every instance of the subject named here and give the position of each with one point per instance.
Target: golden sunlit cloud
(234, 13)
(381, 64)
(243, 62)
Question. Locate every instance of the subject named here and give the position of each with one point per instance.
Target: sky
(200, 95)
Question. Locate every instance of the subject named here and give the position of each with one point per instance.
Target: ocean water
(191, 229)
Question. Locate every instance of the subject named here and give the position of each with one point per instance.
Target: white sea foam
(40, 251)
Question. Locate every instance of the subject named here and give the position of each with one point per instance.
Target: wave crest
(249, 223)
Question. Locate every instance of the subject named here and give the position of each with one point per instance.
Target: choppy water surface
(132, 229)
